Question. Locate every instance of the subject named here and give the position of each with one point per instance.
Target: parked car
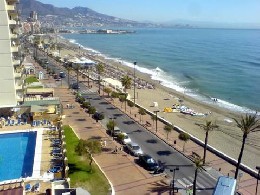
(75, 86)
(62, 75)
(148, 163)
(114, 132)
(98, 116)
(133, 149)
(124, 139)
(56, 77)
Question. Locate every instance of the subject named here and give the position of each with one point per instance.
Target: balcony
(14, 49)
(12, 1)
(13, 36)
(18, 87)
(17, 75)
(16, 62)
(10, 7)
(19, 98)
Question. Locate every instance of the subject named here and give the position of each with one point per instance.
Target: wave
(167, 80)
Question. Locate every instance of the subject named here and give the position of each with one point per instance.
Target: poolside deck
(42, 161)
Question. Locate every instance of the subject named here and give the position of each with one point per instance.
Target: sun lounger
(18, 122)
(34, 123)
(38, 123)
(55, 169)
(12, 123)
(8, 122)
(28, 187)
(24, 121)
(36, 187)
(44, 122)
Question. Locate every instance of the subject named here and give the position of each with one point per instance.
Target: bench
(148, 124)
(195, 155)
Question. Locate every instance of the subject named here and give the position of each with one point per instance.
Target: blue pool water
(17, 155)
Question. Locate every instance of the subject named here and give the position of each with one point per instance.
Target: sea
(206, 64)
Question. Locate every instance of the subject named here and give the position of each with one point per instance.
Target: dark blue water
(203, 63)
(16, 155)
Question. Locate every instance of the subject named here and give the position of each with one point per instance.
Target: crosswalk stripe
(198, 183)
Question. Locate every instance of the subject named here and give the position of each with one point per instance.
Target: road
(149, 143)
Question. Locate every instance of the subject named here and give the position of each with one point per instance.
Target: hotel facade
(11, 82)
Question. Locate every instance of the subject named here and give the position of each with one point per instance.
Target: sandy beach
(227, 138)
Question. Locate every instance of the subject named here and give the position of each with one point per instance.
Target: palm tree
(88, 70)
(130, 104)
(126, 82)
(100, 69)
(167, 129)
(207, 127)
(59, 47)
(141, 111)
(184, 137)
(247, 124)
(69, 68)
(107, 90)
(78, 68)
(198, 161)
(111, 126)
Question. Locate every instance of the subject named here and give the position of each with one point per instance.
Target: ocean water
(202, 63)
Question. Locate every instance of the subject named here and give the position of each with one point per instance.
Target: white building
(11, 84)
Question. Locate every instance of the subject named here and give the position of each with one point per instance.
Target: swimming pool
(17, 155)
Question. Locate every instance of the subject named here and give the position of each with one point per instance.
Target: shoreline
(227, 139)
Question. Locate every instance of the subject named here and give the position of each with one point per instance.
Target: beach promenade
(227, 138)
(246, 184)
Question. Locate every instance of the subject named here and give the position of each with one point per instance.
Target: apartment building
(11, 83)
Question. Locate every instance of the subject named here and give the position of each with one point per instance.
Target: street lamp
(173, 177)
(156, 111)
(258, 168)
(134, 81)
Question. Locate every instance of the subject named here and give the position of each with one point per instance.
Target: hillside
(82, 16)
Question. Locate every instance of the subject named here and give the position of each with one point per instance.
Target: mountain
(78, 15)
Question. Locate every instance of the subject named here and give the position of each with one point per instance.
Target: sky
(161, 11)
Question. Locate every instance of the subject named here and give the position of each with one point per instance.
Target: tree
(167, 129)
(86, 104)
(78, 68)
(88, 147)
(88, 71)
(91, 110)
(111, 126)
(83, 77)
(107, 90)
(153, 117)
(100, 69)
(122, 99)
(184, 137)
(68, 68)
(142, 112)
(114, 94)
(198, 161)
(126, 82)
(130, 104)
(121, 137)
(59, 47)
(207, 127)
(247, 124)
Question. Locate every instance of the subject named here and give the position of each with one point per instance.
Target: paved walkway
(137, 180)
(120, 168)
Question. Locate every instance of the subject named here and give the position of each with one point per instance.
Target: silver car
(134, 149)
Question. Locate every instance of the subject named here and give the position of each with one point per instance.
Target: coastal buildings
(10, 72)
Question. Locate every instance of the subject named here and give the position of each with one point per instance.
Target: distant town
(100, 31)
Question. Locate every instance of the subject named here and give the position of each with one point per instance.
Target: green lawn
(95, 182)
(31, 79)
